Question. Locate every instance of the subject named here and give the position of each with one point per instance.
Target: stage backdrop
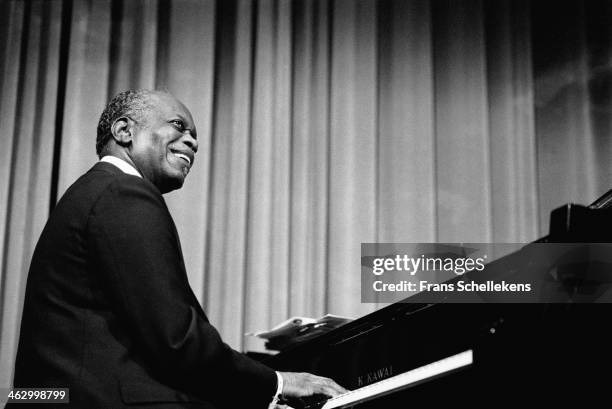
(323, 124)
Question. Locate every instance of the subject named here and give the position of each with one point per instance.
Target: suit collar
(107, 167)
(114, 170)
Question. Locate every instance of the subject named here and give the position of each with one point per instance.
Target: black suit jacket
(109, 312)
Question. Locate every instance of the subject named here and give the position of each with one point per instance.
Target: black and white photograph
(305, 204)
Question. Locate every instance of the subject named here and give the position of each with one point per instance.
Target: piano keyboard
(401, 381)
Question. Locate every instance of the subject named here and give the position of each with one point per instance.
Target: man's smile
(184, 156)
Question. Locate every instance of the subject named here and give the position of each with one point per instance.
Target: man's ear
(122, 130)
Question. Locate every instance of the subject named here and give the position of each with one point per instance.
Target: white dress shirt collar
(121, 164)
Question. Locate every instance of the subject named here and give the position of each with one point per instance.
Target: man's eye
(178, 125)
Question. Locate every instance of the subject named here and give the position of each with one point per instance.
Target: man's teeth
(183, 156)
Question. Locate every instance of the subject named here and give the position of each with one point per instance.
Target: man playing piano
(108, 310)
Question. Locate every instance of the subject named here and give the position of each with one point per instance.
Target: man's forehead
(168, 105)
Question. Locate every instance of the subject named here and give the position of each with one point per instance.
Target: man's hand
(301, 384)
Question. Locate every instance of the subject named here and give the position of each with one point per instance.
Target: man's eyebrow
(179, 116)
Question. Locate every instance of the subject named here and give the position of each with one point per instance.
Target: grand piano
(474, 354)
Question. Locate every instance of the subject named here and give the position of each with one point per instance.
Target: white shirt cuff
(279, 391)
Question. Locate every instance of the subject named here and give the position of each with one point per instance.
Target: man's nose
(190, 141)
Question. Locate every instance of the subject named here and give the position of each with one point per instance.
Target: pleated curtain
(322, 125)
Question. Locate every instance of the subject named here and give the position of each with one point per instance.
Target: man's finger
(329, 387)
(298, 385)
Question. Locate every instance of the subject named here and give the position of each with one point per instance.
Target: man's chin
(171, 184)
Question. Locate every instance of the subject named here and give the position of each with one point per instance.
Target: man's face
(164, 143)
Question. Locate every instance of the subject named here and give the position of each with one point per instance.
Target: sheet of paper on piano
(296, 325)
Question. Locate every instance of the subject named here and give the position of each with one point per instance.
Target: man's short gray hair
(132, 103)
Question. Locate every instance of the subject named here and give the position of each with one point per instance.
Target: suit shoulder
(100, 181)
(130, 196)
(104, 177)
(128, 187)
